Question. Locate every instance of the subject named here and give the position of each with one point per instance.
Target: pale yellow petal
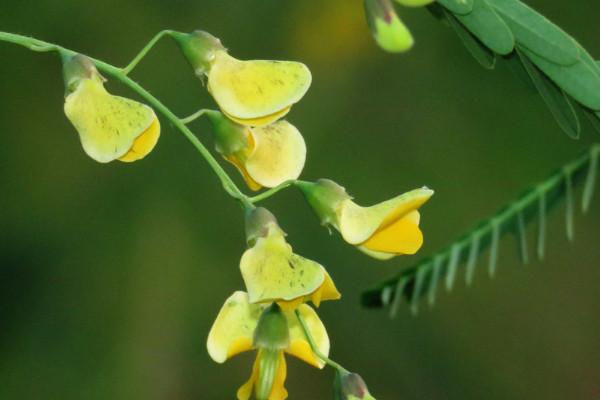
(327, 291)
(107, 125)
(376, 254)
(357, 223)
(272, 272)
(260, 121)
(299, 346)
(254, 89)
(279, 154)
(245, 391)
(232, 332)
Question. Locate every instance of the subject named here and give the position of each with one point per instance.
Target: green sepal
(461, 7)
(230, 136)
(198, 48)
(324, 196)
(485, 23)
(78, 67)
(478, 50)
(581, 80)
(555, 98)
(537, 33)
(258, 222)
(272, 331)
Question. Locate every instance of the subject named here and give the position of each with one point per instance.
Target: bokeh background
(111, 275)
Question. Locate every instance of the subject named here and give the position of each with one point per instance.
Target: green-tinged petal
(357, 224)
(260, 121)
(379, 255)
(485, 23)
(327, 291)
(414, 3)
(108, 125)
(462, 7)
(299, 345)
(272, 272)
(249, 90)
(232, 332)
(387, 29)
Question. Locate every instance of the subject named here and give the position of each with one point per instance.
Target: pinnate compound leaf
(534, 204)
(486, 25)
(556, 100)
(535, 32)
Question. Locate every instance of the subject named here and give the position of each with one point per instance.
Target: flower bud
(325, 197)
(350, 386)
(387, 29)
(199, 49)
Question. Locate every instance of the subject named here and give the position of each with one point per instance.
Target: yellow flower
(265, 156)
(253, 93)
(387, 29)
(272, 272)
(241, 326)
(381, 231)
(110, 127)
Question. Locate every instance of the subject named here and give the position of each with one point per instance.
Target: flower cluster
(271, 315)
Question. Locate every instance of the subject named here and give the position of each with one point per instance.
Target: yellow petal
(327, 291)
(299, 346)
(401, 237)
(245, 391)
(144, 143)
(279, 154)
(272, 272)
(107, 125)
(260, 121)
(278, 392)
(233, 330)
(415, 3)
(253, 89)
(357, 223)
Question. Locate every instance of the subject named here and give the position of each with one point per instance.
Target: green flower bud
(325, 197)
(350, 386)
(272, 332)
(76, 68)
(230, 136)
(387, 29)
(199, 49)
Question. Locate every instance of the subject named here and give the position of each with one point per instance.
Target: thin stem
(313, 345)
(272, 191)
(193, 117)
(144, 51)
(39, 45)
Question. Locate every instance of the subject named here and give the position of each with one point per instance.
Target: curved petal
(144, 143)
(279, 154)
(299, 345)
(260, 121)
(232, 332)
(108, 125)
(245, 391)
(278, 392)
(401, 237)
(357, 223)
(272, 272)
(252, 89)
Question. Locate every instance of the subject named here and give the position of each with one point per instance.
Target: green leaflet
(557, 101)
(462, 7)
(484, 23)
(516, 66)
(422, 278)
(482, 54)
(581, 80)
(537, 33)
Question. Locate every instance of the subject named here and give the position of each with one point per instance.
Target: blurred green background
(111, 275)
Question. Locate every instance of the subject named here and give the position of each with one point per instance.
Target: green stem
(194, 116)
(39, 45)
(144, 51)
(272, 191)
(313, 345)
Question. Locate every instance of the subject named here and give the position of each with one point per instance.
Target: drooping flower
(387, 29)
(272, 272)
(110, 127)
(381, 231)
(242, 326)
(253, 93)
(265, 156)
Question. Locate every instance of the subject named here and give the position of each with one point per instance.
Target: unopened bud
(387, 29)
